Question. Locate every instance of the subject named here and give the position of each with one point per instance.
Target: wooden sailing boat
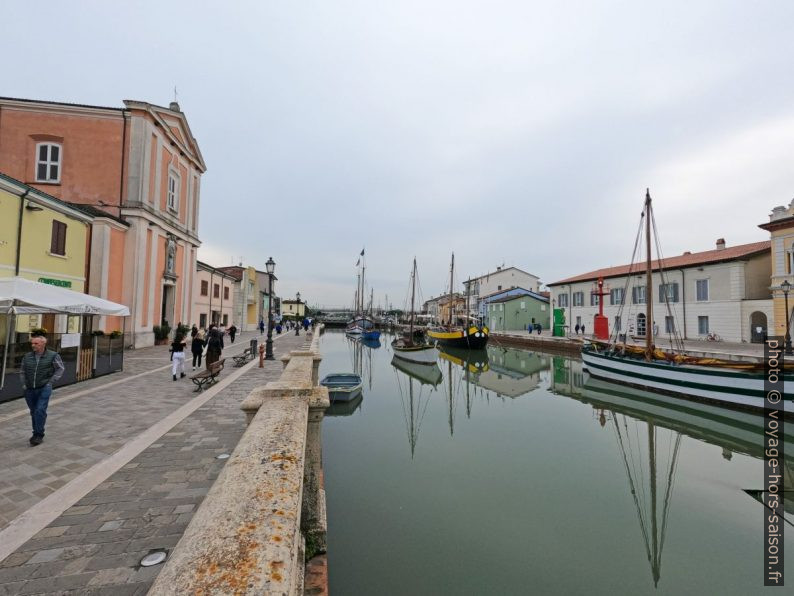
(473, 337)
(407, 347)
(361, 324)
(737, 384)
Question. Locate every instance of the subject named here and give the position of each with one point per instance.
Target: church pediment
(174, 125)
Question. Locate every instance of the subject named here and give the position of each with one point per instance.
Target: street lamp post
(786, 287)
(270, 267)
(297, 305)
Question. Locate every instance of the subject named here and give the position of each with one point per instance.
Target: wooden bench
(241, 359)
(208, 377)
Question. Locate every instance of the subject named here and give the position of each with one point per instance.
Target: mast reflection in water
(551, 483)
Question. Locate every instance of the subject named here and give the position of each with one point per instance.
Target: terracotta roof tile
(686, 260)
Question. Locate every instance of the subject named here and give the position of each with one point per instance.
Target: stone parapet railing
(267, 507)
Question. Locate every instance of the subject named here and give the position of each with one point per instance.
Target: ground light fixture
(222, 456)
(154, 558)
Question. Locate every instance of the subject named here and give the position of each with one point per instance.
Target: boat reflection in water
(415, 383)
(648, 428)
(345, 408)
(361, 356)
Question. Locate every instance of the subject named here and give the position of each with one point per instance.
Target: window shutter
(675, 292)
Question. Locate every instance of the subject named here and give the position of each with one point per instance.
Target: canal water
(511, 472)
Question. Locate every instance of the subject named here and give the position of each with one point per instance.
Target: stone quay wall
(267, 507)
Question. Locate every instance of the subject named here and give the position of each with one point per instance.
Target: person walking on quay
(193, 331)
(39, 369)
(232, 332)
(582, 328)
(197, 348)
(178, 356)
(261, 326)
(214, 346)
(655, 329)
(538, 328)
(577, 328)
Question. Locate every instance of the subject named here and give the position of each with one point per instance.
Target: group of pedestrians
(207, 345)
(579, 328)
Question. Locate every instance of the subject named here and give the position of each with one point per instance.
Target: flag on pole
(362, 252)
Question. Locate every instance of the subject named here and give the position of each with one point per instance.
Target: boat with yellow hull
(473, 337)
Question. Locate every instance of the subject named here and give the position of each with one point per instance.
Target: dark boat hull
(470, 338)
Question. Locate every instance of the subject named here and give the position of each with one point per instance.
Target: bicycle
(713, 336)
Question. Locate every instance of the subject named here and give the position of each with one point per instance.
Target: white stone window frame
(697, 293)
(172, 194)
(49, 162)
(703, 319)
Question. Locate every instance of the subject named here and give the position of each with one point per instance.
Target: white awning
(23, 296)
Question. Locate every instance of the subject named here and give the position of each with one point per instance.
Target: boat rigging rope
(675, 337)
(615, 336)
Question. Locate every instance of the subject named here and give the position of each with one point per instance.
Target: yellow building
(781, 229)
(290, 307)
(42, 239)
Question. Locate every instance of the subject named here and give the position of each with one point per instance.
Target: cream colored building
(723, 291)
(213, 296)
(503, 278)
(781, 229)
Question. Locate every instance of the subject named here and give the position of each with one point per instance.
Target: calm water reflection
(508, 472)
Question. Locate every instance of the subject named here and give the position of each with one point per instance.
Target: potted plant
(161, 333)
(115, 333)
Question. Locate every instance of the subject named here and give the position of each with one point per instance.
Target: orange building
(140, 168)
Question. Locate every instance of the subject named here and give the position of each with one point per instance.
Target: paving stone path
(95, 546)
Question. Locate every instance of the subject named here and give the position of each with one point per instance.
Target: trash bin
(253, 346)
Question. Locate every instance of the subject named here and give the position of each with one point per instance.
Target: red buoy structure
(600, 322)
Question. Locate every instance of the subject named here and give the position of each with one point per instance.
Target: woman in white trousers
(178, 357)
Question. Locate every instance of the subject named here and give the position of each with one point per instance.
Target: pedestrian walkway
(167, 455)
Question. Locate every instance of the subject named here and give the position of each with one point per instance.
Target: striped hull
(472, 338)
(714, 385)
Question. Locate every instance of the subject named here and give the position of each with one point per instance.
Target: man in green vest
(40, 368)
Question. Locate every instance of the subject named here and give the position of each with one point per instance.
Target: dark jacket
(215, 342)
(197, 345)
(38, 371)
(178, 345)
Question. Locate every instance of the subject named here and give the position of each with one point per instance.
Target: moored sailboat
(467, 336)
(361, 324)
(408, 347)
(674, 372)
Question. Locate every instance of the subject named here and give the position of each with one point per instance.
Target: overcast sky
(517, 133)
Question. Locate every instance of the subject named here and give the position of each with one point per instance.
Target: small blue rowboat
(342, 386)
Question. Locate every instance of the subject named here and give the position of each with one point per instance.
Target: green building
(514, 313)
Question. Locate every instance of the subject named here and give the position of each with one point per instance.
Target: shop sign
(55, 282)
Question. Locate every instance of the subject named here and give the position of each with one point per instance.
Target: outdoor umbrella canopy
(23, 296)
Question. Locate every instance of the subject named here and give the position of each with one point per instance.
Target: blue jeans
(38, 400)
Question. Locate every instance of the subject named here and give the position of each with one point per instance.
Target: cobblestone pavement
(95, 546)
(87, 422)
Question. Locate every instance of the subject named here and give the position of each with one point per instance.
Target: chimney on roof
(687, 252)
(498, 268)
(720, 243)
(174, 107)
